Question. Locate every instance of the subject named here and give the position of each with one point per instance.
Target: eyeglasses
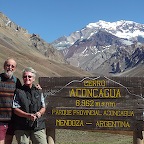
(8, 65)
(27, 76)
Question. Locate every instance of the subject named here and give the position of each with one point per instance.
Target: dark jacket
(30, 102)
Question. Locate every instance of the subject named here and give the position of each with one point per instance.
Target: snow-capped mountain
(104, 47)
(123, 29)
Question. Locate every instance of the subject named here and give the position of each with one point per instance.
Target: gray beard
(8, 74)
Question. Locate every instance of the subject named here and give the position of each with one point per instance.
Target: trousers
(36, 137)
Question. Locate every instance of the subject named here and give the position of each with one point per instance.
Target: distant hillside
(30, 50)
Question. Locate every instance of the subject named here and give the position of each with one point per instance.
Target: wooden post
(50, 135)
(138, 137)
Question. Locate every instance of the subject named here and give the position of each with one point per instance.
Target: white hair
(29, 69)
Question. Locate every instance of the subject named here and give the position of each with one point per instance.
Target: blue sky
(52, 19)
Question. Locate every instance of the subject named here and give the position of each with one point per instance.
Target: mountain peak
(105, 47)
(123, 29)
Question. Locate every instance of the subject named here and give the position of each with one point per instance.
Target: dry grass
(90, 137)
(85, 137)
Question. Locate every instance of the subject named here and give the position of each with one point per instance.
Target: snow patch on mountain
(128, 30)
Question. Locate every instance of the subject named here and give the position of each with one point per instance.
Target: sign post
(94, 103)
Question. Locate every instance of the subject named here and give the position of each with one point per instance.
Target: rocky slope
(31, 50)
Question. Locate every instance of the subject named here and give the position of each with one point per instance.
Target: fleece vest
(30, 102)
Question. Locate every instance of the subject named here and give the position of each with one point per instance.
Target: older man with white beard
(8, 83)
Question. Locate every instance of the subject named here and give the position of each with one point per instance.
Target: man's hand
(38, 114)
(38, 87)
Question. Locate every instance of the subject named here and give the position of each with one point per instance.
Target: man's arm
(21, 113)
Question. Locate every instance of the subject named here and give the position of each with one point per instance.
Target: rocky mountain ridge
(33, 40)
(31, 50)
(100, 48)
(105, 48)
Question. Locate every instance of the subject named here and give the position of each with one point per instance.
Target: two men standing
(10, 86)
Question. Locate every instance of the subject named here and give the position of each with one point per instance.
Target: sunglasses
(27, 76)
(8, 65)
